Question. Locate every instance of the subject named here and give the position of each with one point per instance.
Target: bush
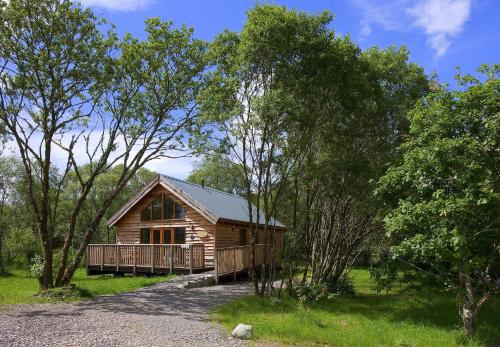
(309, 293)
(36, 268)
(21, 245)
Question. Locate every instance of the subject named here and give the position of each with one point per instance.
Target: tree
(251, 94)
(360, 105)
(66, 86)
(8, 181)
(445, 191)
(218, 172)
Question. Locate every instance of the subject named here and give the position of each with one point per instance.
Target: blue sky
(440, 34)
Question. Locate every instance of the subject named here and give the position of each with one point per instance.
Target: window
(145, 235)
(163, 208)
(146, 213)
(168, 208)
(167, 235)
(156, 209)
(243, 237)
(179, 235)
(156, 236)
(179, 212)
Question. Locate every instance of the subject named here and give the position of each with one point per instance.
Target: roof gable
(212, 204)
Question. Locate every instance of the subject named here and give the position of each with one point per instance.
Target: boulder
(242, 331)
(199, 282)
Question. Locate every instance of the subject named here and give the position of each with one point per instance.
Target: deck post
(135, 258)
(152, 258)
(234, 264)
(171, 247)
(203, 257)
(216, 266)
(190, 258)
(102, 257)
(117, 258)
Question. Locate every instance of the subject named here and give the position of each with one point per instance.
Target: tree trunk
(469, 318)
(47, 275)
(2, 267)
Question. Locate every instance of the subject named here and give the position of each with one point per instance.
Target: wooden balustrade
(231, 260)
(123, 258)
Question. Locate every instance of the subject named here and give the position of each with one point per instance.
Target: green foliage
(36, 268)
(218, 172)
(21, 245)
(309, 293)
(445, 192)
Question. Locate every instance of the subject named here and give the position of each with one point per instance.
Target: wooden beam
(171, 247)
(135, 259)
(191, 258)
(152, 259)
(117, 258)
(234, 264)
(216, 266)
(102, 257)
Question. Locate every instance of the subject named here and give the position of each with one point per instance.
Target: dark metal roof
(222, 205)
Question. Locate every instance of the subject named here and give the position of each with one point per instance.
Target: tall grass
(397, 318)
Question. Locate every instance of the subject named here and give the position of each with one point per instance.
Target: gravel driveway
(165, 314)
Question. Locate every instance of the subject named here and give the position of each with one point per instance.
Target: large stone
(242, 331)
(199, 282)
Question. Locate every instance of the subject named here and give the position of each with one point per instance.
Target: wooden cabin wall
(227, 236)
(129, 226)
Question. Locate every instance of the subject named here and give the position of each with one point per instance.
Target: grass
(20, 288)
(397, 318)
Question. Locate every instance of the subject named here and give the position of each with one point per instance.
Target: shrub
(21, 245)
(309, 293)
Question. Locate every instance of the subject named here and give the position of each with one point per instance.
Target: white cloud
(118, 5)
(441, 20)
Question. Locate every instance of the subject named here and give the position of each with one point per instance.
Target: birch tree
(70, 88)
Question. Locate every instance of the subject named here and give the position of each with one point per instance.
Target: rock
(242, 331)
(206, 281)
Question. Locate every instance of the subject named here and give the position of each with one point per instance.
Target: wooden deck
(232, 260)
(121, 258)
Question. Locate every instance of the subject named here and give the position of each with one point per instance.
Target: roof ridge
(203, 187)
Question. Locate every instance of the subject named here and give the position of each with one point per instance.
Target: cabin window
(163, 208)
(163, 236)
(146, 213)
(179, 212)
(168, 208)
(156, 209)
(156, 236)
(167, 235)
(145, 235)
(179, 235)
(243, 237)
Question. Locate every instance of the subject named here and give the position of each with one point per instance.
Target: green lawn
(20, 288)
(366, 319)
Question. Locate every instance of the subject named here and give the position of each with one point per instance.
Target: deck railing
(231, 260)
(151, 257)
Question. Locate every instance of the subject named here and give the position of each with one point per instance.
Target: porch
(170, 258)
(138, 258)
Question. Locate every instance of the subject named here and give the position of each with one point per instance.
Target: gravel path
(165, 314)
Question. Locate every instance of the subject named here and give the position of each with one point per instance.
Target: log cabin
(172, 225)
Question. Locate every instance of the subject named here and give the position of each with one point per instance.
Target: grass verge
(20, 288)
(396, 318)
